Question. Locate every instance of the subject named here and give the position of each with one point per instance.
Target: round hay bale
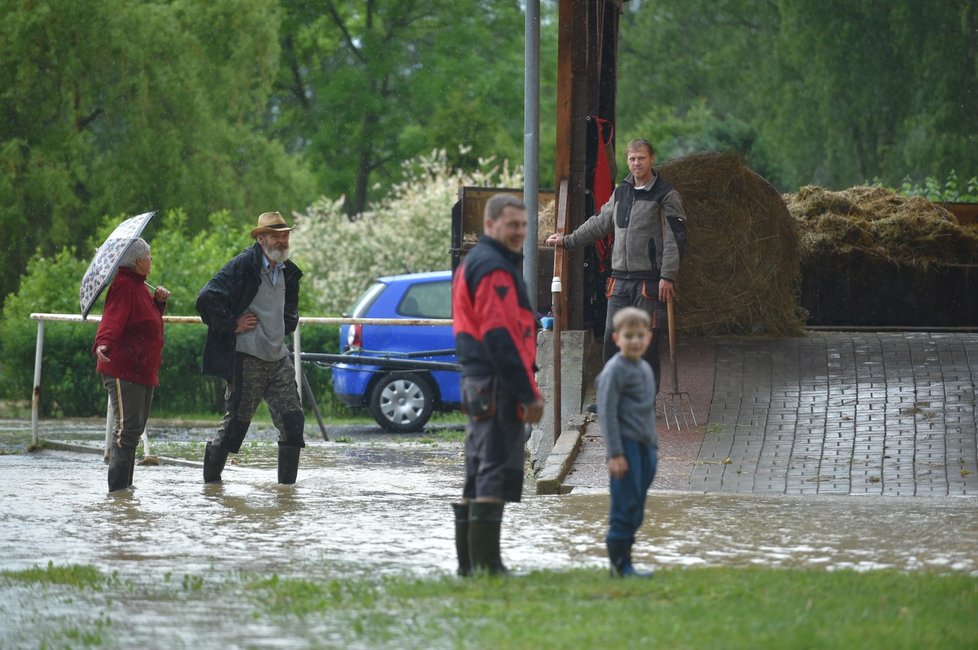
(741, 273)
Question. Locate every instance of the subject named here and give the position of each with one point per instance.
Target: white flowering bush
(407, 232)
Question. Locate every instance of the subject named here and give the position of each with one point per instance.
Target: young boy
(626, 411)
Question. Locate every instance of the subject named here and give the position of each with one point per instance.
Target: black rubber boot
(620, 554)
(462, 538)
(120, 467)
(215, 456)
(288, 464)
(485, 520)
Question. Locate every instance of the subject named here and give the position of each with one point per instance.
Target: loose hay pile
(881, 224)
(741, 273)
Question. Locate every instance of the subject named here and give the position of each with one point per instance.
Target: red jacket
(495, 329)
(132, 328)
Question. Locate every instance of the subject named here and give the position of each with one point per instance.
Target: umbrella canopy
(106, 261)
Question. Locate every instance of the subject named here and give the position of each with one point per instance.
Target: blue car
(403, 390)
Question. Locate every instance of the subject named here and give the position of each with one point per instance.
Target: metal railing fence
(41, 318)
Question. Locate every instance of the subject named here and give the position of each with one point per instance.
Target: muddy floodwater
(376, 507)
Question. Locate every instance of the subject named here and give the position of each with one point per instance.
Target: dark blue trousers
(628, 492)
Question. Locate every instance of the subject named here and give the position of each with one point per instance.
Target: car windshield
(362, 304)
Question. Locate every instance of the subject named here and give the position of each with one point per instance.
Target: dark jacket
(649, 228)
(132, 328)
(227, 295)
(495, 328)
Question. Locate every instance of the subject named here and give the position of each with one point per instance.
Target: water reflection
(360, 509)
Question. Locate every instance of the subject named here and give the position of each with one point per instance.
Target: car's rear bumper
(350, 383)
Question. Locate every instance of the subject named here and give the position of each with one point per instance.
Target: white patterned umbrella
(106, 261)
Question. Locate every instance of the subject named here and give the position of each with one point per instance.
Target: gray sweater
(267, 340)
(626, 404)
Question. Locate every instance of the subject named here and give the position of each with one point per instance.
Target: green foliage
(119, 107)
(798, 89)
(233, 107)
(688, 608)
(364, 86)
(688, 76)
(184, 258)
(933, 189)
(324, 339)
(76, 575)
(407, 232)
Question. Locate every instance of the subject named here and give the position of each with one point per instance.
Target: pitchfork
(678, 402)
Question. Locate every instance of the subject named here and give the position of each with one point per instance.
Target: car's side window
(427, 300)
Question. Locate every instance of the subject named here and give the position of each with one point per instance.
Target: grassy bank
(679, 608)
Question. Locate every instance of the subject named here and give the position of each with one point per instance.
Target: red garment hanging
(602, 186)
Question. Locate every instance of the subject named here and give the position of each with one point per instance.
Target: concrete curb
(561, 458)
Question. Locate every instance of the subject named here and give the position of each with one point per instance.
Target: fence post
(36, 395)
(109, 422)
(297, 357)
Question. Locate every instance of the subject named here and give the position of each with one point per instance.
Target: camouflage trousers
(254, 380)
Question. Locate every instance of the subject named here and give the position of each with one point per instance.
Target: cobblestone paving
(843, 413)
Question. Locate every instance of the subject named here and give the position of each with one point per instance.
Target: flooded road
(382, 508)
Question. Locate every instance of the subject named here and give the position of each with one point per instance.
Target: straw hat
(270, 222)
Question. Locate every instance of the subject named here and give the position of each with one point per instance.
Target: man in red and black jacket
(495, 343)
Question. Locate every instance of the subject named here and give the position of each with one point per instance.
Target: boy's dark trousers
(628, 503)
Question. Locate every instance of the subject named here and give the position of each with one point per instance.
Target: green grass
(686, 608)
(75, 575)
(584, 608)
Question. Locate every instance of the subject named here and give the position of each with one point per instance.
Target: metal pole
(556, 290)
(36, 395)
(297, 358)
(109, 428)
(531, 146)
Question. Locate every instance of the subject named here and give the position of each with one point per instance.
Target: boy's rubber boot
(215, 456)
(120, 463)
(461, 511)
(485, 520)
(288, 464)
(620, 555)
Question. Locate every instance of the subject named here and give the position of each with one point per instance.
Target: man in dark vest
(645, 214)
(250, 306)
(496, 345)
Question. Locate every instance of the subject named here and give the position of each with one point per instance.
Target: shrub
(933, 189)
(408, 232)
(183, 260)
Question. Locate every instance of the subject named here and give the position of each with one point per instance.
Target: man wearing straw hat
(646, 215)
(250, 306)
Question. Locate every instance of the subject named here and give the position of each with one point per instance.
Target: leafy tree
(831, 92)
(119, 107)
(367, 85)
(409, 231)
(689, 72)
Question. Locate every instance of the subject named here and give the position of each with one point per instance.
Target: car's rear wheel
(402, 402)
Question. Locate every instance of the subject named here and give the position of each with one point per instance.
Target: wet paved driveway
(843, 413)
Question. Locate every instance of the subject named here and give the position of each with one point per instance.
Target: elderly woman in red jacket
(129, 349)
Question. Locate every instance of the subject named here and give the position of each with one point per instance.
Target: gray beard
(277, 255)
